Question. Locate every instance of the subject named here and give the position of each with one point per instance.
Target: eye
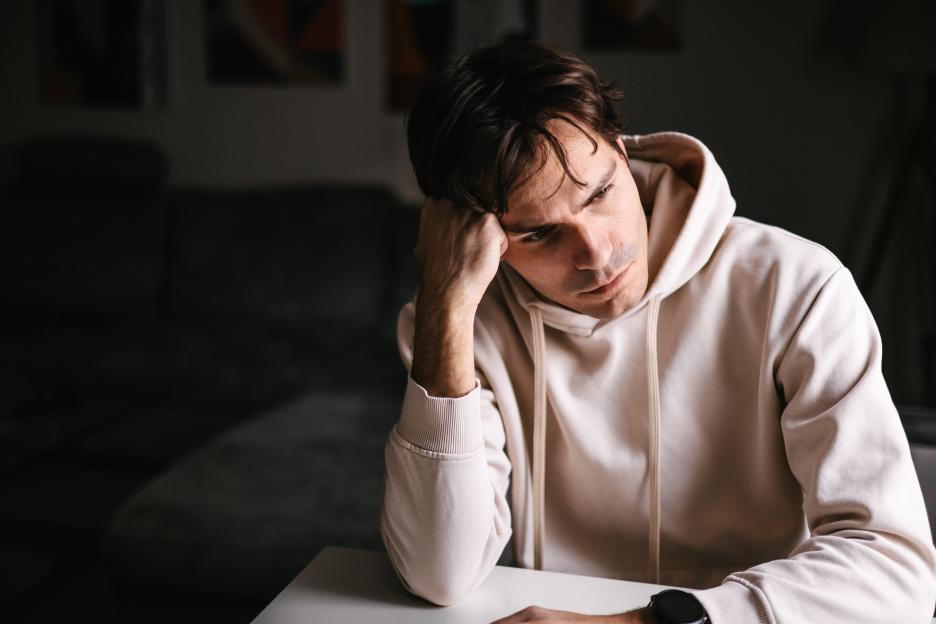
(537, 235)
(600, 194)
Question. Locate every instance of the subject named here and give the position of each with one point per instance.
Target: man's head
(529, 132)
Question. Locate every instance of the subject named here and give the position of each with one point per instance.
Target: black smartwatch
(674, 606)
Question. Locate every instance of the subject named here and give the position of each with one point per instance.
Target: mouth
(612, 285)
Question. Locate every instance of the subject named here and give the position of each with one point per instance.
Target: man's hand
(549, 616)
(458, 252)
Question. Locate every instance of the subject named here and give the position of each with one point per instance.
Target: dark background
(197, 362)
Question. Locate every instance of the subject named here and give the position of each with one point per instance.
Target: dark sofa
(196, 385)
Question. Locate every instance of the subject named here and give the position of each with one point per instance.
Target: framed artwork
(637, 25)
(422, 36)
(274, 41)
(102, 53)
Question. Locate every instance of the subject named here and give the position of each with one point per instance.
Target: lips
(609, 286)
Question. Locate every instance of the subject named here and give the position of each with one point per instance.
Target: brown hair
(480, 125)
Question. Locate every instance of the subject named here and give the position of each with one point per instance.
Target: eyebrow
(524, 228)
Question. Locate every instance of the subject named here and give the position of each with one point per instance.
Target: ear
(620, 143)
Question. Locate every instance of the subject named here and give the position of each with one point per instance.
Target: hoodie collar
(686, 193)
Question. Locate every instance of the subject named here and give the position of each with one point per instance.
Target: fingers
(457, 249)
(533, 613)
(497, 231)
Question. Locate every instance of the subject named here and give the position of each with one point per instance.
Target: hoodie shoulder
(762, 249)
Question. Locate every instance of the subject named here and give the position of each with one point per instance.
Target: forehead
(550, 187)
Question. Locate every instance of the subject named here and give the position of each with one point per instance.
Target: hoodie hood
(685, 194)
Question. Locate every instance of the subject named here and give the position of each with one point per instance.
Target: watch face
(674, 606)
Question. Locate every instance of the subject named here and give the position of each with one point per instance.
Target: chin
(611, 309)
(615, 307)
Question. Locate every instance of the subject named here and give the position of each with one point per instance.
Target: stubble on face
(550, 271)
(583, 280)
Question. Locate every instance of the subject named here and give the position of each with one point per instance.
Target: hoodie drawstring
(539, 434)
(653, 457)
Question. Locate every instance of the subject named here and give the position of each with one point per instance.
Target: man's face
(583, 248)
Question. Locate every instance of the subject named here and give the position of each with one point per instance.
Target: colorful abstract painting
(102, 53)
(422, 36)
(274, 41)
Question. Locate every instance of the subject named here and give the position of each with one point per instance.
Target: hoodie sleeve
(445, 519)
(870, 555)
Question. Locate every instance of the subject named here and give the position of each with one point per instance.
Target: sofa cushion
(310, 258)
(246, 513)
(80, 255)
(139, 393)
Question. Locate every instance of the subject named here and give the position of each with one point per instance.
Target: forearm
(638, 616)
(442, 544)
(443, 347)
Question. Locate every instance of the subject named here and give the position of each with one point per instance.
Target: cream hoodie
(731, 432)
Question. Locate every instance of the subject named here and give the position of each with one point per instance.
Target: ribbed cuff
(439, 424)
(732, 603)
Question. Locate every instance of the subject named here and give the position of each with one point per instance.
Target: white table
(359, 586)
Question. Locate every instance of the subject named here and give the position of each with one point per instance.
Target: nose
(592, 248)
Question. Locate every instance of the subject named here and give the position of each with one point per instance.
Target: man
(669, 393)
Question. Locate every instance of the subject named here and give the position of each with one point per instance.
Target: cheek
(515, 257)
(541, 268)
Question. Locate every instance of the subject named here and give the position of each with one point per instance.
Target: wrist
(445, 318)
(450, 301)
(454, 288)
